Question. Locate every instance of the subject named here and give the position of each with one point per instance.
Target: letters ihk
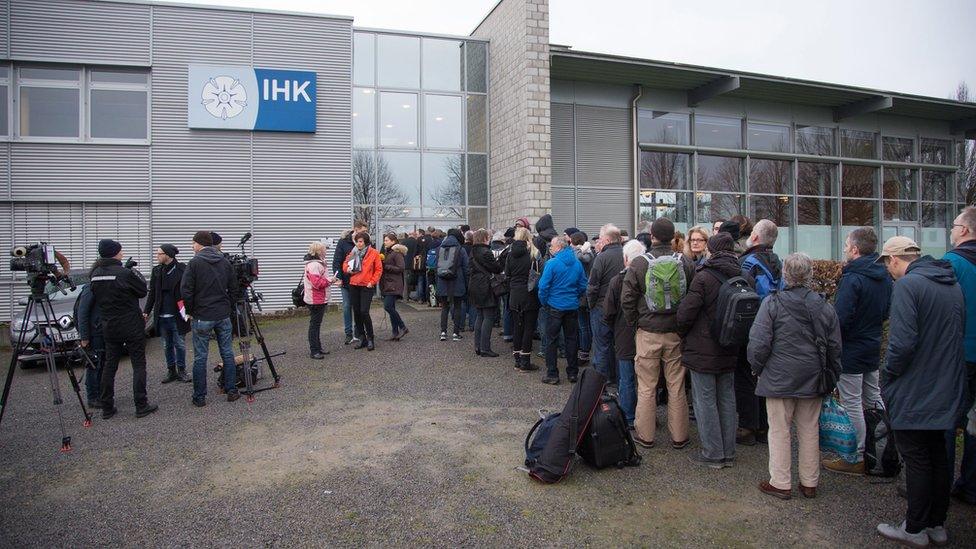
(291, 90)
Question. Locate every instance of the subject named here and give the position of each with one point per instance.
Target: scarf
(356, 259)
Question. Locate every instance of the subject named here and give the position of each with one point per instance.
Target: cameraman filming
(117, 291)
(163, 305)
(208, 287)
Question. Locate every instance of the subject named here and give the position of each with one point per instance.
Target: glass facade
(420, 131)
(724, 166)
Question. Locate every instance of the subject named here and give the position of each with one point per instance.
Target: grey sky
(924, 47)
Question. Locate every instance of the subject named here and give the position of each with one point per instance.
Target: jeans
(927, 471)
(603, 349)
(451, 305)
(421, 293)
(859, 392)
(657, 352)
(93, 378)
(751, 408)
(543, 323)
(966, 483)
(315, 328)
(174, 344)
(525, 323)
(483, 326)
(585, 331)
(714, 398)
(469, 313)
(627, 389)
(396, 322)
(568, 323)
(201, 347)
(133, 336)
(346, 310)
(361, 297)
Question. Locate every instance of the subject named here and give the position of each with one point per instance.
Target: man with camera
(117, 291)
(208, 289)
(163, 304)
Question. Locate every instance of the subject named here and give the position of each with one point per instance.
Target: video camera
(37, 258)
(245, 268)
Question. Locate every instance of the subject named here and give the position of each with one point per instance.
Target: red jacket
(316, 282)
(371, 272)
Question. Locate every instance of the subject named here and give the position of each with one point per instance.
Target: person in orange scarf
(364, 267)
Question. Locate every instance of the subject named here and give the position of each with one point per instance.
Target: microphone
(245, 238)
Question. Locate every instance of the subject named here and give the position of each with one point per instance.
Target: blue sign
(245, 98)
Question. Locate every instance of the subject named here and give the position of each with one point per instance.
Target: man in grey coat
(922, 383)
(605, 266)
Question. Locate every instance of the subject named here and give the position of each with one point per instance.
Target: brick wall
(521, 171)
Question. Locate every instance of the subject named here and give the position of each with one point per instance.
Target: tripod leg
(244, 341)
(52, 367)
(17, 349)
(264, 348)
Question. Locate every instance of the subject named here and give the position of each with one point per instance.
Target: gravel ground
(414, 444)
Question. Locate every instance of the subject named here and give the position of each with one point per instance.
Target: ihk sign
(245, 98)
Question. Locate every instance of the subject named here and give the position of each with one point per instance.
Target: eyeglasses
(697, 240)
(954, 225)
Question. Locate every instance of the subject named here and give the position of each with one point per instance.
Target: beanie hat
(721, 242)
(510, 233)
(662, 230)
(525, 222)
(730, 227)
(216, 238)
(571, 231)
(169, 249)
(108, 248)
(203, 238)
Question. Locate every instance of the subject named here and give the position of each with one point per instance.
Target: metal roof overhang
(702, 83)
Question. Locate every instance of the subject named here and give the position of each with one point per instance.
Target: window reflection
(770, 176)
(934, 151)
(478, 217)
(898, 149)
(717, 131)
(442, 64)
(662, 127)
(404, 176)
(816, 179)
(769, 137)
(936, 219)
(719, 173)
(663, 170)
(398, 61)
(815, 227)
(363, 118)
(675, 206)
(859, 182)
(779, 210)
(398, 119)
(713, 206)
(857, 144)
(815, 140)
(364, 59)
(898, 184)
(475, 65)
(935, 186)
(442, 120)
(477, 180)
(477, 123)
(899, 211)
(444, 180)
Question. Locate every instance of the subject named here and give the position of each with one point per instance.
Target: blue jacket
(457, 286)
(562, 281)
(924, 375)
(963, 260)
(862, 302)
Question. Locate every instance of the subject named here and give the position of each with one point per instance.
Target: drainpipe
(638, 92)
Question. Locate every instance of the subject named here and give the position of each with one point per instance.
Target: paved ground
(416, 443)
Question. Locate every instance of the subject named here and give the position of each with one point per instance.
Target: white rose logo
(224, 97)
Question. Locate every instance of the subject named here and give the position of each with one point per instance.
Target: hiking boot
(937, 535)
(898, 534)
(696, 457)
(443, 336)
(550, 380)
(844, 467)
(745, 437)
(146, 409)
(767, 488)
(231, 397)
(456, 337)
(109, 411)
(171, 376)
(808, 492)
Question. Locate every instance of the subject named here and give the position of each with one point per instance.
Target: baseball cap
(899, 245)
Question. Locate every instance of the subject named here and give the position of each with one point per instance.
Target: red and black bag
(567, 434)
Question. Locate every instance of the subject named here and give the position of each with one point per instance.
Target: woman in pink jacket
(317, 281)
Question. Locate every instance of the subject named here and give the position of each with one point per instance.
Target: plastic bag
(837, 432)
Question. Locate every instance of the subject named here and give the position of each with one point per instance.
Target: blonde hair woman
(523, 266)
(317, 281)
(696, 245)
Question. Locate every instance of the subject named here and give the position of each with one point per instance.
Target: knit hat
(730, 227)
(525, 222)
(571, 231)
(216, 238)
(108, 248)
(721, 242)
(169, 249)
(510, 233)
(203, 238)
(662, 230)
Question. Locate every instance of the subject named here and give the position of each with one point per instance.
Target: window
(934, 151)
(935, 186)
(716, 131)
(444, 180)
(779, 210)
(664, 171)
(363, 118)
(713, 206)
(50, 102)
(936, 219)
(815, 140)
(770, 176)
(443, 122)
(662, 127)
(477, 180)
(4, 100)
(119, 104)
(398, 120)
(859, 182)
(674, 206)
(816, 179)
(898, 149)
(857, 213)
(398, 180)
(364, 59)
(816, 224)
(899, 184)
(442, 65)
(475, 66)
(477, 123)
(719, 173)
(857, 144)
(768, 137)
(398, 61)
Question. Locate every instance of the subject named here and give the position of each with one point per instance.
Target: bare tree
(450, 194)
(374, 183)
(967, 183)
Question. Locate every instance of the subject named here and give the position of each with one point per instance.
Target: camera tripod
(50, 340)
(247, 326)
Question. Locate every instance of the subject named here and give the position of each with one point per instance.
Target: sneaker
(231, 397)
(443, 336)
(680, 445)
(898, 534)
(183, 377)
(489, 354)
(808, 492)
(146, 410)
(200, 402)
(318, 356)
(572, 379)
(844, 467)
(550, 380)
(696, 457)
(95, 404)
(456, 337)
(767, 488)
(109, 412)
(644, 443)
(729, 463)
(170, 377)
(938, 536)
(349, 339)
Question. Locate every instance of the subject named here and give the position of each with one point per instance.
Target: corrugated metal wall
(286, 188)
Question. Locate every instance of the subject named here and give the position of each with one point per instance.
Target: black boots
(523, 363)
(370, 345)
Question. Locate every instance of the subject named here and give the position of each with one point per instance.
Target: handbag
(498, 283)
(298, 293)
(533, 278)
(837, 432)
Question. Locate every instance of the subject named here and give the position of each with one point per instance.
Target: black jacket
(924, 375)
(607, 264)
(483, 265)
(342, 250)
(547, 232)
(518, 263)
(160, 280)
(117, 291)
(862, 301)
(87, 315)
(624, 334)
(632, 296)
(208, 286)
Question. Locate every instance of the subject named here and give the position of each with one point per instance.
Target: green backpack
(665, 283)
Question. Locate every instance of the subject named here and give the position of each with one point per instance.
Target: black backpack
(448, 258)
(542, 429)
(738, 304)
(298, 293)
(880, 455)
(608, 441)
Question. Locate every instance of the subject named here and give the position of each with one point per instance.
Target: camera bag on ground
(556, 458)
(298, 293)
(881, 458)
(256, 372)
(608, 442)
(738, 305)
(542, 429)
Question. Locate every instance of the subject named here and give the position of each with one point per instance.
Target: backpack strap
(717, 274)
(528, 437)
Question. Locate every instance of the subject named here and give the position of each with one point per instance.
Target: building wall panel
(51, 172)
